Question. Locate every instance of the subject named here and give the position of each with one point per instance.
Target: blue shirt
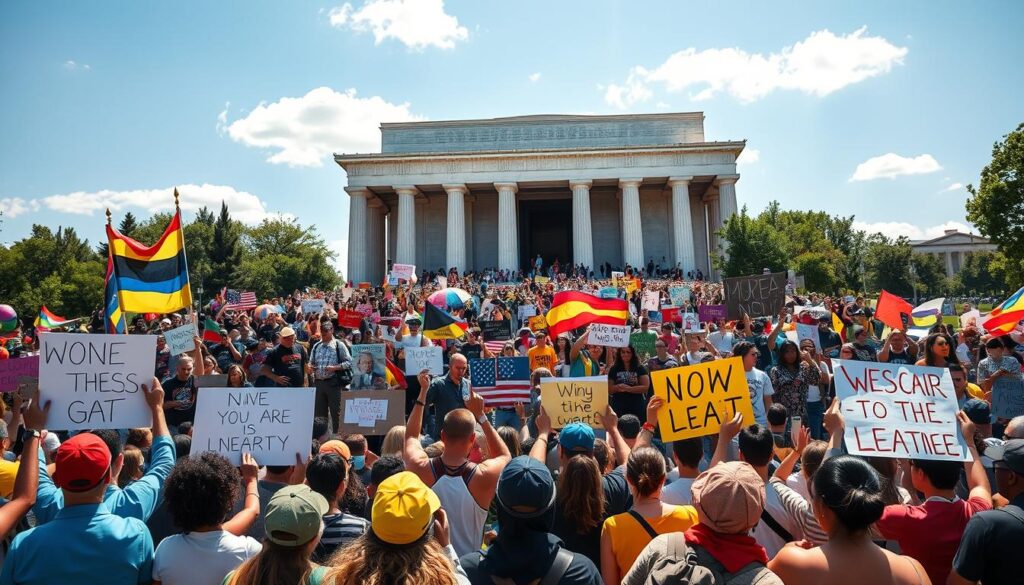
(82, 544)
(138, 500)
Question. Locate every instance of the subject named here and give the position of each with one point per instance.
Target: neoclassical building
(953, 247)
(476, 194)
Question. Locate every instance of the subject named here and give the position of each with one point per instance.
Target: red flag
(893, 310)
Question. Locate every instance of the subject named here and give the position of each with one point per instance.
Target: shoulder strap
(468, 472)
(558, 568)
(312, 350)
(337, 349)
(775, 526)
(436, 467)
(1012, 512)
(643, 524)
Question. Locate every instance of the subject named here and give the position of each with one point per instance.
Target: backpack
(679, 566)
(344, 375)
(554, 575)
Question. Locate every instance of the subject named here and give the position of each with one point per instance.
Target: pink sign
(12, 369)
(708, 313)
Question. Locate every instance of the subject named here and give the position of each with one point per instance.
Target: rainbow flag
(927, 314)
(1004, 318)
(151, 279)
(47, 320)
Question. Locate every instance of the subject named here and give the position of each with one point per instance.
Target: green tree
(887, 264)
(996, 206)
(982, 273)
(752, 245)
(225, 250)
(930, 274)
(128, 225)
(280, 255)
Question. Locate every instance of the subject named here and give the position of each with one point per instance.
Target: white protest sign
(969, 318)
(95, 381)
(273, 424)
(419, 358)
(679, 295)
(691, 323)
(346, 293)
(809, 332)
(180, 339)
(652, 301)
(365, 412)
(403, 271)
(896, 410)
(609, 335)
(442, 282)
(527, 311)
(313, 306)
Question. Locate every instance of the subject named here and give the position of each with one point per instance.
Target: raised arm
(647, 431)
(539, 452)
(775, 331)
(198, 366)
(977, 478)
(578, 345)
(729, 430)
(240, 523)
(610, 422)
(26, 483)
(498, 450)
(415, 457)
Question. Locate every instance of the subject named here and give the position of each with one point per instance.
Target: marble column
(508, 228)
(358, 250)
(714, 223)
(405, 247)
(682, 223)
(632, 230)
(375, 240)
(470, 263)
(455, 254)
(726, 207)
(949, 263)
(582, 237)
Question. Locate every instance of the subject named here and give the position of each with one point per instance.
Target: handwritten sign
(569, 400)
(371, 412)
(691, 323)
(699, 398)
(181, 339)
(537, 323)
(652, 301)
(403, 271)
(95, 381)
(350, 319)
(896, 410)
(710, 313)
(810, 333)
(496, 330)
(419, 358)
(11, 370)
(608, 292)
(609, 335)
(643, 343)
(271, 423)
(313, 306)
(758, 296)
(679, 295)
(526, 311)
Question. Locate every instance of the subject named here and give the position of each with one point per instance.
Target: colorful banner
(680, 295)
(12, 370)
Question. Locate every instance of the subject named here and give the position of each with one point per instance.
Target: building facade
(952, 248)
(479, 194)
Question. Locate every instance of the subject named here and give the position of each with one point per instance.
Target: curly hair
(370, 561)
(201, 491)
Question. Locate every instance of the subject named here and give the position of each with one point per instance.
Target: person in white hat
(288, 363)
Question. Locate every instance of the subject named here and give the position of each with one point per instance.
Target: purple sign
(12, 369)
(708, 313)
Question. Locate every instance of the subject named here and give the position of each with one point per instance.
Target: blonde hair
(394, 441)
(369, 561)
(132, 468)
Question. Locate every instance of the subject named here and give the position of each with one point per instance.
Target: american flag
(241, 301)
(495, 346)
(502, 381)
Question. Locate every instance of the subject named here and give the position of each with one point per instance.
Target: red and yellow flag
(572, 309)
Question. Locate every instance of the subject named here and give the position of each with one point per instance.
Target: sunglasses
(941, 342)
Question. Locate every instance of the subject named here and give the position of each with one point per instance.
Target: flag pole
(181, 226)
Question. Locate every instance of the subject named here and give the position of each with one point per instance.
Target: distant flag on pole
(47, 320)
(928, 314)
(1004, 318)
(241, 301)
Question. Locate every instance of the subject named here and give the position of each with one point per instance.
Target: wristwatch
(483, 418)
(33, 433)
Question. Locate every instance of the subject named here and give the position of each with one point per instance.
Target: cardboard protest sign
(691, 323)
(1007, 402)
(212, 381)
(698, 399)
(350, 319)
(371, 412)
(181, 339)
(569, 400)
(95, 381)
(526, 311)
(761, 295)
(273, 424)
(369, 369)
(896, 410)
(420, 358)
(709, 313)
(313, 306)
(346, 293)
(496, 330)
(11, 370)
(670, 315)
(679, 295)
(652, 301)
(643, 343)
(616, 276)
(403, 271)
(809, 332)
(537, 323)
(609, 335)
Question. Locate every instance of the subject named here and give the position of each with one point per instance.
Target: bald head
(1014, 428)
(458, 426)
(457, 367)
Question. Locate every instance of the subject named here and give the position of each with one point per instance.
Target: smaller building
(952, 248)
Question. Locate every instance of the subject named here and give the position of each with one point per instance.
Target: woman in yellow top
(624, 536)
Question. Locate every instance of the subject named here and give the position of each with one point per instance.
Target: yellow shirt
(975, 392)
(629, 538)
(8, 472)
(542, 357)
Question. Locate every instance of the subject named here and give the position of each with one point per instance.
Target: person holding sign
(26, 483)
(628, 383)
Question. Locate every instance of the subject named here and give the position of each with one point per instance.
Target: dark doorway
(545, 228)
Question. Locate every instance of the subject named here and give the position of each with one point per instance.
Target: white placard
(95, 381)
(810, 332)
(442, 282)
(972, 317)
(527, 311)
(346, 293)
(896, 410)
(403, 271)
(652, 301)
(181, 339)
(313, 306)
(609, 335)
(273, 424)
(419, 358)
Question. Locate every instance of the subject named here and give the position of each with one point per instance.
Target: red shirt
(930, 532)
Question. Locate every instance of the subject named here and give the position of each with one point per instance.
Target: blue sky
(879, 109)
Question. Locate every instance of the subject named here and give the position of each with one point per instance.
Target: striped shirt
(339, 531)
(799, 511)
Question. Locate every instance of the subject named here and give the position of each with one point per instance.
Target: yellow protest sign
(569, 400)
(537, 322)
(541, 279)
(631, 285)
(698, 399)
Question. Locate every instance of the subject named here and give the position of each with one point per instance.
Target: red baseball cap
(82, 462)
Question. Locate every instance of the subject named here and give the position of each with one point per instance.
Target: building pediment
(953, 239)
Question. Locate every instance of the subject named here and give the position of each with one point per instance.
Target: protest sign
(392, 280)
(643, 343)
(710, 313)
(537, 323)
(442, 282)
(679, 295)
(541, 279)
(313, 306)
(691, 323)
(346, 293)
(365, 286)
(496, 330)
(526, 311)
(810, 332)
(403, 271)
(181, 339)
(652, 301)
(609, 335)
(95, 381)
(349, 319)
(212, 381)
(11, 370)
(670, 315)
(420, 358)
(608, 292)
(371, 412)
(364, 309)
(897, 410)
(969, 318)
(761, 295)
(273, 424)
(569, 400)
(699, 398)
(369, 369)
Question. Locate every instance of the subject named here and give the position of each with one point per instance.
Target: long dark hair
(930, 341)
(581, 493)
(634, 362)
(785, 347)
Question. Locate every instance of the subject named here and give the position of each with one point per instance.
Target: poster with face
(368, 367)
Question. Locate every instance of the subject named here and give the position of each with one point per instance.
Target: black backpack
(344, 375)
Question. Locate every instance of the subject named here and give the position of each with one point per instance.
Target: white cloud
(244, 206)
(818, 65)
(14, 206)
(75, 66)
(222, 119)
(535, 77)
(954, 187)
(417, 24)
(303, 130)
(340, 249)
(892, 165)
(895, 229)
(749, 156)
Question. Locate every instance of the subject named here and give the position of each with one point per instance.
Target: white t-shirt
(677, 493)
(764, 534)
(760, 386)
(722, 340)
(201, 557)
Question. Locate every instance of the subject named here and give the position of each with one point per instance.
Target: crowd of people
(466, 493)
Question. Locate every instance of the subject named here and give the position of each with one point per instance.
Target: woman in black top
(628, 383)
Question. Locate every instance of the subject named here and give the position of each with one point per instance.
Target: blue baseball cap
(526, 488)
(577, 437)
